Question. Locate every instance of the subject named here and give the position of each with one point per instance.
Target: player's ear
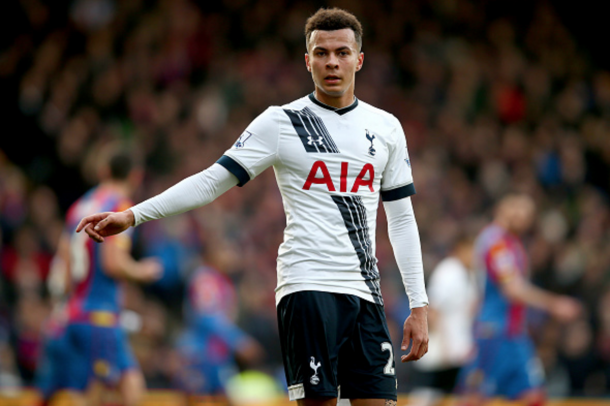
(360, 61)
(307, 62)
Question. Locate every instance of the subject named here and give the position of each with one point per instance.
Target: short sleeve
(256, 148)
(501, 263)
(397, 179)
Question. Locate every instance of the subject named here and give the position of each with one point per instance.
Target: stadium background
(493, 96)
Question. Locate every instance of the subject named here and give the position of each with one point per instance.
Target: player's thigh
(123, 357)
(76, 365)
(481, 377)
(373, 402)
(332, 401)
(366, 362)
(526, 377)
(101, 354)
(313, 326)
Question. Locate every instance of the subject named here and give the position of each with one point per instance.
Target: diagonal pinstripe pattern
(312, 131)
(354, 216)
(318, 124)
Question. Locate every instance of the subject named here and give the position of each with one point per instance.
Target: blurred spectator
(578, 354)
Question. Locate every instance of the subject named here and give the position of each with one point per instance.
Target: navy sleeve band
(398, 193)
(236, 169)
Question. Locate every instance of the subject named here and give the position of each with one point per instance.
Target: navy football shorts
(333, 342)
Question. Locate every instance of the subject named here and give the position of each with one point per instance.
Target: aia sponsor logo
(319, 175)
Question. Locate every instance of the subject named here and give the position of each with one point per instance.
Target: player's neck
(121, 188)
(338, 102)
(505, 224)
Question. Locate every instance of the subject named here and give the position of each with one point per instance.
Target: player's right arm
(255, 151)
(101, 225)
(516, 288)
(195, 191)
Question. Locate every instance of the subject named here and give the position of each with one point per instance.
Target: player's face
(333, 59)
(522, 215)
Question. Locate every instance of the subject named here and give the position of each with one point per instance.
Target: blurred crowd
(490, 103)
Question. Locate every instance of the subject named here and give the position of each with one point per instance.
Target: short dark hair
(120, 164)
(331, 19)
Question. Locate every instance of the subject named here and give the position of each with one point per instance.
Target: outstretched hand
(566, 309)
(416, 331)
(101, 225)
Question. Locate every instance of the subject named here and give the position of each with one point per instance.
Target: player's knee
(326, 401)
(132, 388)
(535, 398)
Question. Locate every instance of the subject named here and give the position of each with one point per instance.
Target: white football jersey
(331, 166)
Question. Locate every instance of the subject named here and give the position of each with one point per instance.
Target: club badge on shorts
(314, 379)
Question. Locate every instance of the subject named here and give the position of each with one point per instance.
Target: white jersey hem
(286, 290)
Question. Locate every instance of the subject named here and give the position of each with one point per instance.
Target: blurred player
(506, 363)
(211, 343)
(55, 353)
(452, 290)
(334, 157)
(100, 355)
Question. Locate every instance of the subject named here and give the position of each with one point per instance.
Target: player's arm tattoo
(389, 402)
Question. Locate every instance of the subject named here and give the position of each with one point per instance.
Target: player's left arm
(404, 237)
(396, 189)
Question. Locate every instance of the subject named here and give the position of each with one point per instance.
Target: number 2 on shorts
(388, 369)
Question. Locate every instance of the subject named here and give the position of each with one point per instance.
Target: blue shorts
(51, 373)
(502, 367)
(97, 352)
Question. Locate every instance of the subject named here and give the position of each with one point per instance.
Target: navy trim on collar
(340, 111)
